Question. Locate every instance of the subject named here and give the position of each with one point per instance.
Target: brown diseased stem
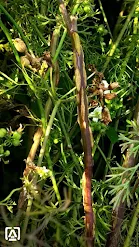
(82, 105)
(39, 132)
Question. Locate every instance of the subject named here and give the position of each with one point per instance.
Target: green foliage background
(30, 98)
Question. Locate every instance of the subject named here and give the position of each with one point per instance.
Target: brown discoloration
(87, 144)
(106, 118)
(29, 164)
(82, 105)
(117, 219)
(110, 96)
(36, 142)
(114, 85)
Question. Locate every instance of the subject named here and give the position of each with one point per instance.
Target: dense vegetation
(69, 122)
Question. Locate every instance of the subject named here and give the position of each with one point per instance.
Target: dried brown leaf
(110, 96)
(114, 85)
(106, 117)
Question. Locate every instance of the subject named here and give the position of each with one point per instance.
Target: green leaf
(112, 135)
(10, 208)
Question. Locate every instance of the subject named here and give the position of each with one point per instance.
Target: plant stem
(96, 144)
(5, 30)
(118, 212)
(114, 45)
(120, 17)
(59, 45)
(69, 145)
(57, 52)
(47, 132)
(133, 223)
(76, 6)
(43, 8)
(105, 18)
(111, 147)
(30, 84)
(80, 80)
(25, 224)
(16, 26)
(50, 166)
(39, 33)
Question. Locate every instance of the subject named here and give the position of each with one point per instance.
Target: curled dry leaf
(47, 57)
(114, 85)
(36, 62)
(93, 103)
(110, 96)
(106, 117)
(20, 45)
(100, 93)
(91, 89)
(101, 86)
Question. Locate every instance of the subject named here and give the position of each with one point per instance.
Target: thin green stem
(53, 46)
(127, 57)
(4, 215)
(39, 33)
(114, 45)
(54, 43)
(42, 112)
(16, 26)
(57, 52)
(7, 34)
(111, 147)
(133, 224)
(76, 6)
(119, 21)
(61, 42)
(47, 132)
(27, 78)
(69, 144)
(26, 220)
(52, 176)
(105, 18)
(5, 30)
(102, 153)
(9, 196)
(96, 144)
(43, 8)
(60, 45)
